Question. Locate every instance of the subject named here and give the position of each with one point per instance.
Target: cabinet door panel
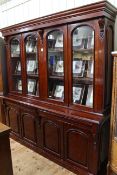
(13, 119)
(29, 127)
(52, 136)
(76, 146)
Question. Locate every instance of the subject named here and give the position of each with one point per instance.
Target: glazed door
(81, 65)
(14, 64)
(55, 62)
(86, 65)
(31, 64)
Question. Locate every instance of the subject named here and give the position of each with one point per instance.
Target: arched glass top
(15, 47)
(83, 65)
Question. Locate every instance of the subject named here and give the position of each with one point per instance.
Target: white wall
(16, 11)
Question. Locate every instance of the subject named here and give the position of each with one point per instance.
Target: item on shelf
(78, 68)
(89, 100)
(77, 42)
(90, 43)
(18, 67)
(37, 89)
(78, 92)
(59, 67)
(15, 50)
(51, 41)
(51, 63)
(30, 45)
(85, 43)
(59, 91)
(31, 86)
(19, 85)
(90, 69)
(59, 40)
(31, 66)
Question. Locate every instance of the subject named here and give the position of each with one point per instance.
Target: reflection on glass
(55, 65)
(31, 86)
(15, 48)
(16, 65)
(32, 65)
(83, 65)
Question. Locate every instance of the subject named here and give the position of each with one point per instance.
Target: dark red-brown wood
(75, 136)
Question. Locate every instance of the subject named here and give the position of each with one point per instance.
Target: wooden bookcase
(59, 72)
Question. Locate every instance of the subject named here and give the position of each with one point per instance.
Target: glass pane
(32, 65)
(83, 65)
(16, 65)
(55, 65)
(15, 48)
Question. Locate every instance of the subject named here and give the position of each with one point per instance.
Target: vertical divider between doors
(69, 65)
(23, 61)
(42, 64)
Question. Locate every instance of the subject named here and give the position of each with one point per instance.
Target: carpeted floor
(27, 162)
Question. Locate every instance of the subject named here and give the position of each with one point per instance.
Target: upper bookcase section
(95, 10)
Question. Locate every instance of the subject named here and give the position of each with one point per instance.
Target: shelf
(15, 58)
(17, 75)
(31, 53)
(55, 77)
(90, 50)
(83, 80)
(32, 76)
(56, 50)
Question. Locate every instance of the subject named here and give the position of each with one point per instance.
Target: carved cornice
(103, 8)
(101, 26)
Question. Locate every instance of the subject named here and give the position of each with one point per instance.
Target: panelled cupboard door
(14, 63)
(31, 63)
(13, 118)
(52, 134)
(29, 125)
(55, 65)
(79, 147)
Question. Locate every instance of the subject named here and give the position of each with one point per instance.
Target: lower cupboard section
(77, 145)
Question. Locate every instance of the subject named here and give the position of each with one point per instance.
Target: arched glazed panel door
(32, 65)
(15, 61)
(55, 50)
(82, 65)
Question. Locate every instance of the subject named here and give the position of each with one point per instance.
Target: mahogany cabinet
(59, 74)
